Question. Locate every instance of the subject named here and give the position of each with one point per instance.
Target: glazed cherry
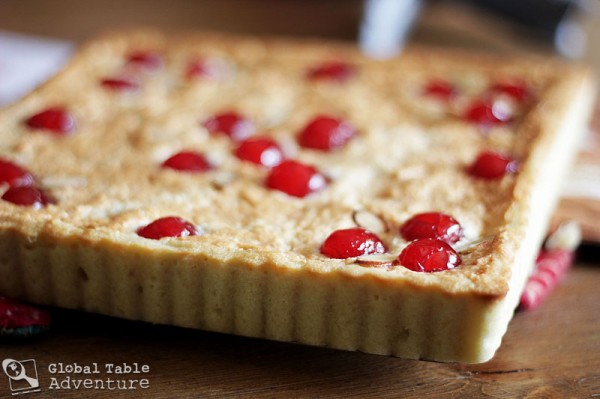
(349, 243)
(21, 319)
(296, 179)
(332, 71)
(428, 255)
(27, 196)
(439, 89)
(432, 225)
(55, 120)
(232, 124)
(515, 89)
(261, 151)
(326, 133)
(147, 60)
(484, 113)
(188, 161)
(170, 226)
(492, 165)
(119, 84)
(14, 175)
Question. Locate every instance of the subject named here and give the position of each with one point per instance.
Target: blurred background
(568, 28)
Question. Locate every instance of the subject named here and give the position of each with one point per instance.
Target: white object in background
(577, 35)
(385, 26)
(27, 61)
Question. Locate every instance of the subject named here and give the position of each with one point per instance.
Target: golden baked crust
(257, 269)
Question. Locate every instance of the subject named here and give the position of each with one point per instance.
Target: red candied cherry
(492, 165)
(486, 113)
(260, 150)
(205, 68)
(296, 179)
(27, 196)
(14, 175)
(232, 124)
(148, 60)
(170, 226)
(432, 225)
(333, 71)
(349, 243)
(516, 89)
(326, 133)
(439, 89)
(56, 120)
(428, 255)
(188, 161)
(119, 84)
(18, 319)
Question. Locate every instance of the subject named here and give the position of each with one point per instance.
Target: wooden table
(551, 352)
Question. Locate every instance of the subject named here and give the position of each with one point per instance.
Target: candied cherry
(148, 60)
(260, 150)
(492, 165)
(119, 84)
(349, 243)
(170, 226)
(518, 90)
(27, 196)
(333, 71)
(14, 175)
(296, 179)
(432, 225)
(232, 124)
(439, 89)
(55, 120)
(20, 319)
(487, 113)
(187, 161)
(326, 133)
(428, 255)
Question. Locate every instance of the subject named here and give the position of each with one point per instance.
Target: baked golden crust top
(410, 154)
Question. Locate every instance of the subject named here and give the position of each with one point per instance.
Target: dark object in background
(541, 17)
(547, 25)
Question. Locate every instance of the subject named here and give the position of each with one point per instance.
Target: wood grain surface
(551, 352)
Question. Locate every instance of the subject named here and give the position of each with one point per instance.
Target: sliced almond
(468, 247)
(567, 237)
(370, 221)
(376, 260)
(222, 179)
(4, 187)
(470, 82)
(64, 181)
(289, 147)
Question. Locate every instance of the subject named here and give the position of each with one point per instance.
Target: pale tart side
(255, 266)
